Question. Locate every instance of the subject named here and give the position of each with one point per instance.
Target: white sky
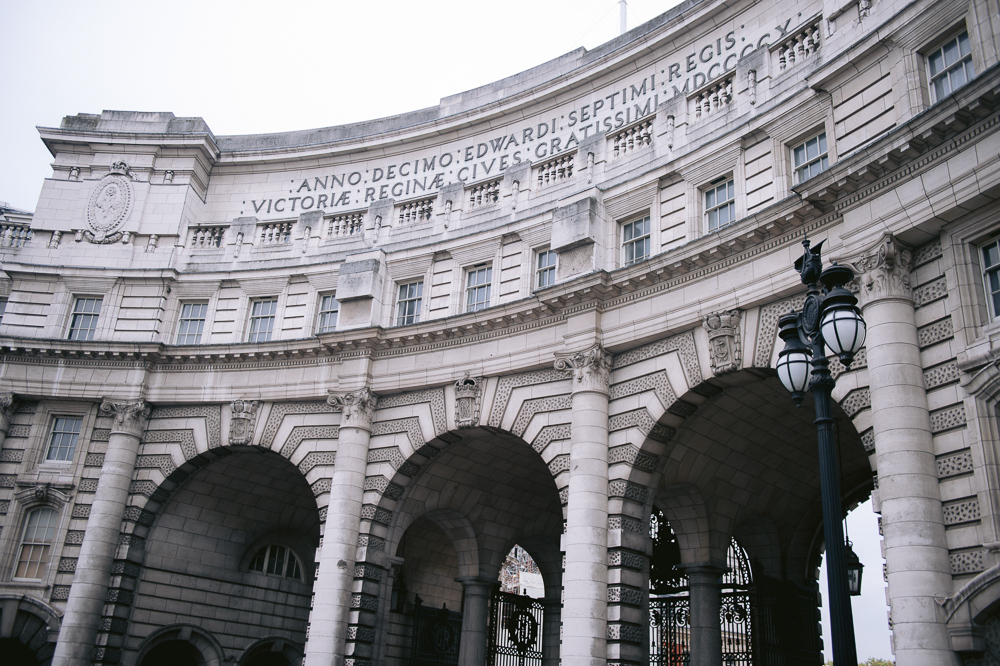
(252, 66)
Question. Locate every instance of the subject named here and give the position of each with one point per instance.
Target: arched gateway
(261, 395)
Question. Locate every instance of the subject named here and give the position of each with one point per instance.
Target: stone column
(706, 628)
(916, 549)
(551, 629)
(81, 622)
(475, 620)
(585, 583)
(332, 590)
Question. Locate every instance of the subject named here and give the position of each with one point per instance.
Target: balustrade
(277, 233)
(799, 47)
(632, 138)
(555, 170)
(206, 237)
(14, 235)
(484, 194)
(413, 212)
(713, 99)
(347, 224)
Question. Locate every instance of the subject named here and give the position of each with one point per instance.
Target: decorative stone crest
(591, 369)
(129, 417)
(884, 271)
(725, 353)
(358, 408)
(467, 401)
(241, 423)
(110, 205)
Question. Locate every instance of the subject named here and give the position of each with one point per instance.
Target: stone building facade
(267, 397)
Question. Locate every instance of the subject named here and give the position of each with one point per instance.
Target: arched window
(36, 540)
(277, 560)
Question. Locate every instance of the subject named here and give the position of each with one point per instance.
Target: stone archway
(28, 630)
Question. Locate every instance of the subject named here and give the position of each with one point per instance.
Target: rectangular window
(950, 66)
(991, 276)
(62, 441)
(329, 308)
(477, 288)
(545, 269)
(191, 323)
(635, 241)
(83, 323)
(39, 530)
(408, 303)
(3, 308)
(262, 315)
(720, 204)
(809, 158)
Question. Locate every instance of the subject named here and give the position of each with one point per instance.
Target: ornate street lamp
(829, 318)
(854, 570)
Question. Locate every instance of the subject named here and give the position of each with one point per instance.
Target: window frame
(968, 69)
(324, 326)
(823, 158)
(547, 271)
(291, 559)
(181, 319)
(483, 291)
(992, 297)
(404, 317)
(85, 316)
(45, 559)
(713, 187)
(253, 335)
(645, 239)
(51, 438)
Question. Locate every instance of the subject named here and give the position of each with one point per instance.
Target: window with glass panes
(545, 268)
(33, 556)
(477, 288)
(635, 241)
(62, 439)
(809, 158)
(277, 560)
(950, 66)
(991, 275)
(83, 323)
(408, 303)
(328, 310)
(191, 323)
(262, 315)
(3, 308)
(720, 204)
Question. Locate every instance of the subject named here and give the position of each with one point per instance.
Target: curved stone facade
(275, 394)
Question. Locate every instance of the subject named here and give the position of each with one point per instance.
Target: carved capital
(725, 353)
(129, 417)
(358, 408)
(884, 271)
(467, 396)
(241, 422)
(591, 369)
(6, 409)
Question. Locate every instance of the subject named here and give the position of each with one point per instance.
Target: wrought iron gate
(515, 630)
(436, 636)
(670, 630)
(735, 609)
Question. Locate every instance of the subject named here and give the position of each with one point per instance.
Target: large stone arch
(28, 627)
(204, 643)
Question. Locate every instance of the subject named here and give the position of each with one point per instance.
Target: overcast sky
(248, 67)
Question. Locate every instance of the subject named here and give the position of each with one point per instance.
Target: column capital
(477, 582)
(6, 409)
(129, 417)
(591, 369)
(884, 271)
(358, 407)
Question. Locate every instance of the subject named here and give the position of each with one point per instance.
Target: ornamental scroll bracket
(358, 407)
(129, 418)
(883, 271)
(468, 392)
(241, 422)
(725, 352)
(591, 369)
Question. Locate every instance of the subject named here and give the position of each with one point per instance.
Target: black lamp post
(829, 318)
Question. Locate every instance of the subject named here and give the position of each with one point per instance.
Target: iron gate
(515, 630)
(436, 636)
(670, 630)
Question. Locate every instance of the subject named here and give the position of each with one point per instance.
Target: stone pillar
(585, 583)
(81, 622)
(916, 549)
(706, 628)
(475, 620)
(551, 629)
(332, 590)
